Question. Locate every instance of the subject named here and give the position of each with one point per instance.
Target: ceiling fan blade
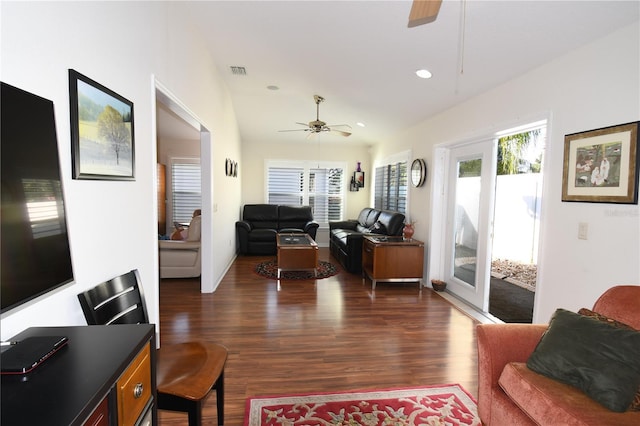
(295, 130)
(343, 133)
(423, 12)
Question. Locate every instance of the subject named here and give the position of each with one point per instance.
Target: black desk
(66, 388)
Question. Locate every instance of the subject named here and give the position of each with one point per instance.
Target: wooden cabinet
(134, 388)
(104, 376)
(100, 416)
(392, 259)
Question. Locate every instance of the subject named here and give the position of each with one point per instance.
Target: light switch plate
(583, 230)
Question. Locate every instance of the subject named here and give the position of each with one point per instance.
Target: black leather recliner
(345, 237)
(256, 232)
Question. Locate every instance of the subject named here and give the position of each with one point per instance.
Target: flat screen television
(33, 232)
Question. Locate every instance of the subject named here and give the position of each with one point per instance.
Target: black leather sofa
(256, 232)
(345, 237)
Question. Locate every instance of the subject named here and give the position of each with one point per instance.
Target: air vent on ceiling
(238, 70)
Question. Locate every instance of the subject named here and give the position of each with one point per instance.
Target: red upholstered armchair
(531, 398)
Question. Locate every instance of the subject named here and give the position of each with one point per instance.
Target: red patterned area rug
(269, 269)
(432, 405)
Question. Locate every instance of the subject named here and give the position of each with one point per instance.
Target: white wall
(122, 45)
(595, 86)
(517, 217)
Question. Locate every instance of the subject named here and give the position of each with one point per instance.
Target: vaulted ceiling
(361, 57)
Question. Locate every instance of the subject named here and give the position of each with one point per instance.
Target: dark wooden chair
(186, 372)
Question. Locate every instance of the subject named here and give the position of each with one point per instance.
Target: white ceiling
(361, 57)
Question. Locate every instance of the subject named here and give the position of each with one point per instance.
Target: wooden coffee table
(297, 252)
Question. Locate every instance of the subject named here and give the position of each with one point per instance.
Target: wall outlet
(583, 229)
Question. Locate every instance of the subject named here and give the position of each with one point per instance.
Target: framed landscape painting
(102, 142)
(601, 166)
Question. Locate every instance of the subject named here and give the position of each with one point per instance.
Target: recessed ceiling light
(424, 73)
(273, 88)
(360, 124)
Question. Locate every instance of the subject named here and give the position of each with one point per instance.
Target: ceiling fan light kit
(318, 126)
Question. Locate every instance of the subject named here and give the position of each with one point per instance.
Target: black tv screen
(35, 247)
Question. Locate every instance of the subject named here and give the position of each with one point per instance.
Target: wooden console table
(104, 376)
(392, 259)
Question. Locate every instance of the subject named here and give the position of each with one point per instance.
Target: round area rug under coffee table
(269, 269)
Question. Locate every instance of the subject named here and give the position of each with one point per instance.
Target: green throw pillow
(601, 360)
(635, 405)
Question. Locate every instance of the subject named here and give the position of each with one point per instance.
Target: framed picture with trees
(102, 135)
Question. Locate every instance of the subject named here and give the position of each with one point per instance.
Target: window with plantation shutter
(391, 187)
(286, 186)
(185, 190)
(304, 183)
(325, 194)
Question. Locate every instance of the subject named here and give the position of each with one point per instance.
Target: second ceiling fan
(318, 126)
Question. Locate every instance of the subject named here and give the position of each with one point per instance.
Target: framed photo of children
(601, 166)
(101, 131)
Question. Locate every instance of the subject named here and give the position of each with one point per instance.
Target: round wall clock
(418, 172)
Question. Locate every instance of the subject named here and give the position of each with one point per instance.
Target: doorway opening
(516, 223)
(169, 109)
(484, 232)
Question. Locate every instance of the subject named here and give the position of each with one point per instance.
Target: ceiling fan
(423, 12)
(317, 125)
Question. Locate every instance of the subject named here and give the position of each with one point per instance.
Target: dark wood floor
(333, 334)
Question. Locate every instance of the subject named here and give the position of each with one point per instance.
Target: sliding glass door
(470, 202)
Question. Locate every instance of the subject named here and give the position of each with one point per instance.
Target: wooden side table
(392, 259)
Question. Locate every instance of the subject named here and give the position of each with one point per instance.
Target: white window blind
(325, 194)
(390, 192)
(299, 184)
(286, 186)
(185, 190)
